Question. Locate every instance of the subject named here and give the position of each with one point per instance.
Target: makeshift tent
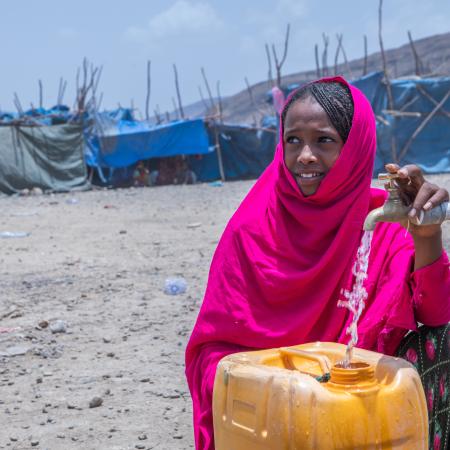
(122, 143)
(246, 152)
(48, 157)
(418, 123)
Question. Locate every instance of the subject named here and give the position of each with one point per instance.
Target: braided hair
(334, 98)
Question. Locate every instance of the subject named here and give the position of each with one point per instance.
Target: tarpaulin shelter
(416, 129)
(245, 151)
(48, 157)
(122, 143)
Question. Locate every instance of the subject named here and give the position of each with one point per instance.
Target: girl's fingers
(427, 198)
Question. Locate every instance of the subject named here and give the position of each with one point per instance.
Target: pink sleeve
(431, 292)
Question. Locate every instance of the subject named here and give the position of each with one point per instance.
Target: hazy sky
(47, 39)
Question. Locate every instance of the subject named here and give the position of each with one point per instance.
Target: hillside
(434, 52)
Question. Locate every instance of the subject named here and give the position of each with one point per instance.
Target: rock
(95, 402)
(34, 443)
(16, 350)
(39, 380)
(142, 437)
(13, 438)
(58, 326)
(43, 324)
(106, 340)
(140, 446)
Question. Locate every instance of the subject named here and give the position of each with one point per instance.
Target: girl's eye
(326, 139)
(292, 140)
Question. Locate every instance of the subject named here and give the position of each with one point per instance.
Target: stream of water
(356, 298)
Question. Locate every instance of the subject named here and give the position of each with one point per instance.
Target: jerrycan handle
(322, 360)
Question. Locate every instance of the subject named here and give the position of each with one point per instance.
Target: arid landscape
(91, 348)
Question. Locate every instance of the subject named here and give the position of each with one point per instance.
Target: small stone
(140, 446)
(13, 438)
(39, 380)
(95, 402)
(178, 436)
(123, 232)
(110, 354)
(34, 443)
(106, 340)
(43, 324)
(142, 437)
(144, 380)
(58, 326)
(61, 436)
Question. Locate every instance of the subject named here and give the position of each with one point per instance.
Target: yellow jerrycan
(303, 398)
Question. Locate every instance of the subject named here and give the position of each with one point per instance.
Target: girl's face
(311, 144)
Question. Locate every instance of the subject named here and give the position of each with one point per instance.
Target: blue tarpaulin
(413, 101)
(127, 142)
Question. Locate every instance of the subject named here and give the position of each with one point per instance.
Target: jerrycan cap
(355, 373)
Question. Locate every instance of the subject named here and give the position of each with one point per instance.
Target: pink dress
(283, 260)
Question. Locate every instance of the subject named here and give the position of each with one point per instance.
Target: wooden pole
(213, 105)
(316, 54)
(40, 94)
(365, 56)
(219, 151)
(417, 61)
(180, 106)
(326, 41)
(219, 97)
(269, 64)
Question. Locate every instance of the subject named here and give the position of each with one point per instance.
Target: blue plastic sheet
(129, 142)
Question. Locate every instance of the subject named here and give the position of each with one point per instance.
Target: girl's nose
(306, 155)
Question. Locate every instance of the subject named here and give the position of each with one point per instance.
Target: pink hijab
(282, 262)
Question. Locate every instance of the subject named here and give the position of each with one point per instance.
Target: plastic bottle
(175, 286)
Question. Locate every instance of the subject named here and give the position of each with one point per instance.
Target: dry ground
(99, 264)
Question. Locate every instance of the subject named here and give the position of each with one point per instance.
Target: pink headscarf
(282, 262)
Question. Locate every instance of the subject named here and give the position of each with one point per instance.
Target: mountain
(433, 51)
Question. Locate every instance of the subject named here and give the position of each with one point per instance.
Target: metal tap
(394, 210)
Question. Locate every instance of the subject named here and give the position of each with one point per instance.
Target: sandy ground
(98, 261)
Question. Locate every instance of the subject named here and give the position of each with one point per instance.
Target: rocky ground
(91, 348)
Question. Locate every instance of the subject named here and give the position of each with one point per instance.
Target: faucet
(394, 210)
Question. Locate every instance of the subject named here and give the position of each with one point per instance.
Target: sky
(48, 39)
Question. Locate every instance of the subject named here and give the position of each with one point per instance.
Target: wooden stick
(40, 94)
(415, 54)
(316, 54)
(365, 56)
(432, 100)
(269, 63)
(336, 56)
(177, 87)
(213, 105)
(279, 63)
(219, 152)
(401, 113)
(326, 41)
(219, 97)
(423, 125)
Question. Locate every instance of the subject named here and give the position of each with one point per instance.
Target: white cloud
(184, 17)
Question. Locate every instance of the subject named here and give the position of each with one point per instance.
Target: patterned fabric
(428, 349)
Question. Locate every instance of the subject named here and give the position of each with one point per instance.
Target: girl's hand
(420, 194)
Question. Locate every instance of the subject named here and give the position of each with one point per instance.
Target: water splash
(356, 298)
